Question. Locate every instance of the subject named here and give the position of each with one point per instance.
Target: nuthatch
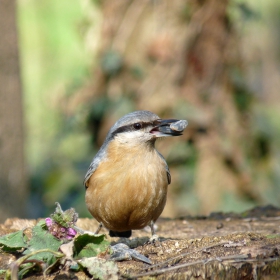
(126, 183)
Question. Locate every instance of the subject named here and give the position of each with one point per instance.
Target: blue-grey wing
(95, 162)
(166, 167)
(90, 171)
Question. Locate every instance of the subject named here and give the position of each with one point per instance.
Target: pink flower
(49, 222)
(71, 233)
(63, 229)
(59, 231)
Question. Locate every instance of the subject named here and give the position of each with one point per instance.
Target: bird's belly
(130, 201)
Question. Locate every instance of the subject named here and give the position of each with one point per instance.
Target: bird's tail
(126, 234)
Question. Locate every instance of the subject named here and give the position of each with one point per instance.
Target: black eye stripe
(130, 127)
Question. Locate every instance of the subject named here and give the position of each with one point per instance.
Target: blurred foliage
(111, 63)
(87, 63)
(54, 66)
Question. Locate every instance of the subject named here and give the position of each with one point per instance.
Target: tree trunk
(13, 188)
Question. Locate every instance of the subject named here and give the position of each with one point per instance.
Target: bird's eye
(137, 126)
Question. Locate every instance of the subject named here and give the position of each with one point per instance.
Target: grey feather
(166, 167)
(101, 154)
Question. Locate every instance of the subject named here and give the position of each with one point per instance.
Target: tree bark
(13, 187)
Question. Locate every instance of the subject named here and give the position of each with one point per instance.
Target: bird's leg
(154, 239)
(99, 228)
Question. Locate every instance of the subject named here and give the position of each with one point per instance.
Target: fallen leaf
(100, 268)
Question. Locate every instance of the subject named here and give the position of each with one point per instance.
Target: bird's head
(144, 127)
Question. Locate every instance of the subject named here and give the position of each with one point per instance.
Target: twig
(233, 258)
(160, 271)
(179, 257)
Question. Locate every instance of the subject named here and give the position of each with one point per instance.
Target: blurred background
(70, 69)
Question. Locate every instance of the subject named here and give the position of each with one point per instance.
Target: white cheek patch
(132, 137)
(179, 125)
(128, 135)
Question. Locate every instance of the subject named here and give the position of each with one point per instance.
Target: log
(218, 246)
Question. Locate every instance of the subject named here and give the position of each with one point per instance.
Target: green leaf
(42, 239)
(100, 268)
(13, 241)
(87, 245)
(64, 218)
(27, 264)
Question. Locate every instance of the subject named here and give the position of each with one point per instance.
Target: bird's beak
(169, 127)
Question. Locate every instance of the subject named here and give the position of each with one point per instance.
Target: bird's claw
(154, 238)
(122, 252)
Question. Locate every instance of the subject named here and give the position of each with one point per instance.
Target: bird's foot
(122, 252)
(154, 240)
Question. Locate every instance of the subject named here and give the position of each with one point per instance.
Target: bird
(127, 180)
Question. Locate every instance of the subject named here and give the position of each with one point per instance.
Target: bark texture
(13, 186)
